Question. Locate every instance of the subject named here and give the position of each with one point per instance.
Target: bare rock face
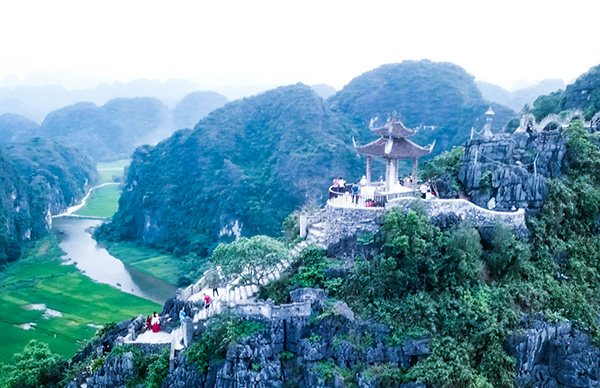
(554, 355)
(508, 172)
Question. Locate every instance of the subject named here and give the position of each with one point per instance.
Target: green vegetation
(36, 176)
(250, 163)
(112, 171)
(35, 367)
(178, 271)
(252, 259)
(222, 331)
(421, 93)
(103, 202)
(582, 94)
(468, 295)
(442, 172)
(111, 131)
(40, 278)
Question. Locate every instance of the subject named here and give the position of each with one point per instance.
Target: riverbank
(103, 201)
(43, 299)
(178, 271)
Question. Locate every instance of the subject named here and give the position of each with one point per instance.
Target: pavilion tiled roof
(394, 129)
(394, 148)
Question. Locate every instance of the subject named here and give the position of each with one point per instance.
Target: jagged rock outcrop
(292, 351)
(507, 172)
(554, 355)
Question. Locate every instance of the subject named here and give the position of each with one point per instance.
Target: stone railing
(347, 199)
(269, 310)
(443, 211)
(186, 293)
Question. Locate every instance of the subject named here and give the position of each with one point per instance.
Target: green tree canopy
(250, 259)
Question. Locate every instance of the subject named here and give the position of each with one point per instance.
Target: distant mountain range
(518, 98)
(113, 130)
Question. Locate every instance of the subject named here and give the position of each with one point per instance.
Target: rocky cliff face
(507, 172)
(554, 355)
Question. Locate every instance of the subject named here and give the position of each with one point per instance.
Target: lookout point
(393, 145)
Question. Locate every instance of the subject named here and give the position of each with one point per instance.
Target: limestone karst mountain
(38, 178)
(242, 169)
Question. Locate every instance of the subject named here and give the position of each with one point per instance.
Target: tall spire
(487, 129)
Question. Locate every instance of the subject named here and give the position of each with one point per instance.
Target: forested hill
(195, 106)
(37, 178)
(113, 130)
(583, 94)
(248, 164)
(422, 93)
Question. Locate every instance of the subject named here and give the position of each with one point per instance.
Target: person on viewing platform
(335, 187)
(342, 185)
(155, 322)
(206, 301)
(363, 181)
(148, 323)
(355, 194)
(215, 288)
(182, 314)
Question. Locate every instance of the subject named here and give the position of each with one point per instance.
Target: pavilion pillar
(414, 171)
(395, 171)
(368, 169)
(388, 167)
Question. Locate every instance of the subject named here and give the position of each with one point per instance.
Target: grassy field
(103, 202)
(40, 278)
(109, 171)
(147, 260)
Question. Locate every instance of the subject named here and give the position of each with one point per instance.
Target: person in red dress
(155, 322)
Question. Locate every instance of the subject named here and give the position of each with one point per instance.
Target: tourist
(424, 189)
(182, 314)
(334, 188)
(363, 181)
(215, 288)
(342, 185)
(410, 180)
(206, 301)
(370, 203)
(155, 322)
(148, 323)
(355, 194)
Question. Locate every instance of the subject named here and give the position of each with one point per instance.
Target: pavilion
(392, 146)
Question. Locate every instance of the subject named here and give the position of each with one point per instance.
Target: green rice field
(73, 308)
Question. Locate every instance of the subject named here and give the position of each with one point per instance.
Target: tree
(250, 259)
(35, 361)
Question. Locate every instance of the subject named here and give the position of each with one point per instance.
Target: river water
(96, 263)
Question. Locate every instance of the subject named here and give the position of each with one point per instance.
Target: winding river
(95, 262)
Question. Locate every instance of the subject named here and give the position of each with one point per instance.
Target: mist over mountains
(518, 98)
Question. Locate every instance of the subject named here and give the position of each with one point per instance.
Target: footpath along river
(95, 262)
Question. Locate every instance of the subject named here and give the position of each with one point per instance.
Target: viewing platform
(372, 195)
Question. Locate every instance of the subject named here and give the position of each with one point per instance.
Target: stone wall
(342, 225)
(447, 212)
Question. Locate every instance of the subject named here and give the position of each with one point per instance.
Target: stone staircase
(232, 293)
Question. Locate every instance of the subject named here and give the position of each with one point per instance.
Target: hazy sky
(282, 42)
